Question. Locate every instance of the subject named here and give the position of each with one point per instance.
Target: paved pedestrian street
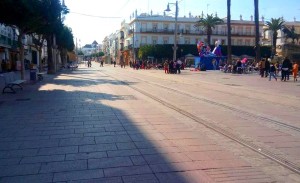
(114, 125)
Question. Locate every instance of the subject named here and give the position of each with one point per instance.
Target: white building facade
(145, 29)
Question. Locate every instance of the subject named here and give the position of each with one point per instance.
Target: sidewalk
(84, 126)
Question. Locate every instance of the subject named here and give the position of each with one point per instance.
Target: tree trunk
(256, 18)
(274, 43)
(21, 53)
(63, 55)
(229, 31)
(40, 56)
(50, 55)
(208, 36)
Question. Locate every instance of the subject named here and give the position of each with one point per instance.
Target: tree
(31, 16)
(290, 34)
(38, 43)
(274, 25)
(21, 14)
(51, 12)
(228, 31)
(65, 42)
(208, 24)
(256, 19)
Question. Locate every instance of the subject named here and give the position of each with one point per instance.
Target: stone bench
(10, 80)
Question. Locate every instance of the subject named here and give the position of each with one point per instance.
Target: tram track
(249, 114)
(256, 148)
(239, 95)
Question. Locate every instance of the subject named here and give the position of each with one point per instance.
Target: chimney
(190, 15)
(263, 19)
(251, 18)
(294, 19)
(151, 13)
(241, 17)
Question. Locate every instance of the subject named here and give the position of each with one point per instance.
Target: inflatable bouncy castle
(209, 60)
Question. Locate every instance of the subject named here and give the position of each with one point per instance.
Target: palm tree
(290, 34)
(209, 24)
(228, 31)
(257, 46)
(274, 25)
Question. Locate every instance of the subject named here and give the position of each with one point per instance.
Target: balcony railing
(194, 32)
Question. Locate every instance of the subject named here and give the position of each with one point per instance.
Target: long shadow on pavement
(58, 135)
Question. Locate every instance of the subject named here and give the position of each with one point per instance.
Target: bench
(10, 81)
(73, 66)
(40, 75)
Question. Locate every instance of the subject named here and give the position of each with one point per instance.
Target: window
(154, 40)
(248, 30)
(187, 28)
(155, 27)
(166, 40)
(247, 42)
(186, 41)
(232, 41)
(239, 42)
(166, 27)
(240, 30)
(233, 30)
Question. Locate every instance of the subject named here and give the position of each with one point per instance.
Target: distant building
(149, 29)
(90, 49)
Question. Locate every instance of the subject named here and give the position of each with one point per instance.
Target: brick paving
(84, 127)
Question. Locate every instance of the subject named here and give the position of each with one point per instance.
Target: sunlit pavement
(88, 126)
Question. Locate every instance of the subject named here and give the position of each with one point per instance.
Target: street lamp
(175, 31)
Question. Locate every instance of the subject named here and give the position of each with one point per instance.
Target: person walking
(272, 72)
(285, 68)
(101, 63)
(114, 63)
(166, 67)
(178, 66)
(295, 71)
(267, 67)
(262, 66)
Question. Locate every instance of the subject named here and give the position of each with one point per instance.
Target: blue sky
(94, 19)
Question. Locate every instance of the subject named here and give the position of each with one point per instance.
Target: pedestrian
(171, 70)
(101, 63)
(114, 63)
(166, 67)
(178, 66)
(267, 67)
(295, 71)
(285, 68)
(272, 72)
(262, 66)
(89, 63)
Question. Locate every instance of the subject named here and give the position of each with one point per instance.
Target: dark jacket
(272, 68)
(286, 63)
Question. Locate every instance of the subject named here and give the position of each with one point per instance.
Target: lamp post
(175, 31)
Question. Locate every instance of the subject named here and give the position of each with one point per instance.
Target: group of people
(238, 66)
(173, 67)
(268, 68)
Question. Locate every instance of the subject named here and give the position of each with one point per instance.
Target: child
(295, 71)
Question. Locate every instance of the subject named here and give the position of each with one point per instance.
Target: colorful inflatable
(207, 59)
(217, 49)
